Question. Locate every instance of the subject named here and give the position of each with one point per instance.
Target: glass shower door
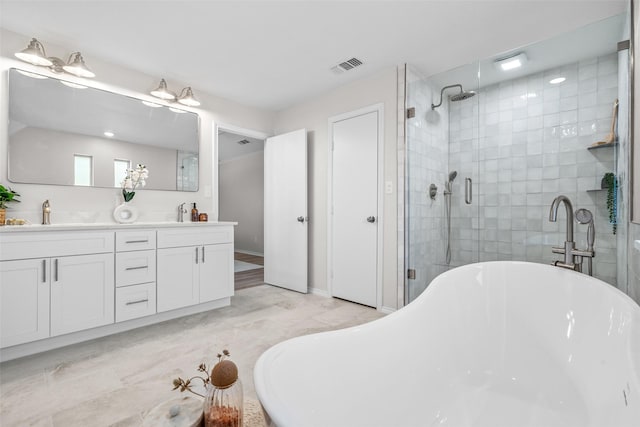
(441, 214)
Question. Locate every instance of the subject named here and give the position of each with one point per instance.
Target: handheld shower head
(452, 176)
(584, 216)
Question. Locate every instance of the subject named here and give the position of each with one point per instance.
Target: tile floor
(116, 380)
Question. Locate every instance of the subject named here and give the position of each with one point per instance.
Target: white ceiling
(273, 55)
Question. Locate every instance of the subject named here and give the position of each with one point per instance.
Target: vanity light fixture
(511, 62)
(77, 67)
(186, 96)
(557, 80)
(36, 55)
(109, 134)
(163, 92)
(177, 110)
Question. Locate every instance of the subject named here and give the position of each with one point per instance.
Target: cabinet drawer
(135, 301)
(135, 267)
(194, 236)
(54, 243)
(138, 240)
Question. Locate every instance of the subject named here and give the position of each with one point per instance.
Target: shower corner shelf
(595, 147)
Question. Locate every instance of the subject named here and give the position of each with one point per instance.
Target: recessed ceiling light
(32, 75)
(109, 134)
(151, 104)
(511, 62)
(73, 85)
(557, 80)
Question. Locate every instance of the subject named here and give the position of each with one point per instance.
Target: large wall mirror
(65, 134)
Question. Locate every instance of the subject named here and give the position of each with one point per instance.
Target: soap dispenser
(194, 213)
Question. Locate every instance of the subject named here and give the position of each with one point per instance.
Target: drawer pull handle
(137, 301)
(55, 263)
(196, 254)
(203, 254)
(137, 241)
(44, 270)
(137, 268)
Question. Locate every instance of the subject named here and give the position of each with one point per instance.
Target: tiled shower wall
(524, 142)
(427, 151)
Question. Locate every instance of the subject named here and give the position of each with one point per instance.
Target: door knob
(371, 219)
(300, 219)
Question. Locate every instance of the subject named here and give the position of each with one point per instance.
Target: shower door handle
(468, 191)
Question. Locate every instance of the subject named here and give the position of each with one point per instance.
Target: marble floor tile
(116, 380)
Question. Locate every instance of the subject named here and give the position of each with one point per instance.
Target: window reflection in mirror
(51, 124)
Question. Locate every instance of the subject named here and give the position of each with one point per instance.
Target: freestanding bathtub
(493, 344)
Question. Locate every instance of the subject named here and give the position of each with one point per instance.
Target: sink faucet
(181, 212)
(569, 244)
(46, 213)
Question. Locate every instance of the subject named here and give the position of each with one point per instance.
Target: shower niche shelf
(595, 147)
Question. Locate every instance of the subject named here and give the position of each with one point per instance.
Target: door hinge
(411, 112)
(411, 274)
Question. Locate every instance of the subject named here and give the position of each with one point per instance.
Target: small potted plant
(6, 195)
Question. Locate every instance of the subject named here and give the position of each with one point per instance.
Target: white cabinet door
(216, 272)
(24, 301)
(178, 277)
(82, 292)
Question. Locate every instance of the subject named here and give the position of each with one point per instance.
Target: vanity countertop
(109, 226)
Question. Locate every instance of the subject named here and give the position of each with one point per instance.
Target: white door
(82, 292)
(354, 190)
(285, 210)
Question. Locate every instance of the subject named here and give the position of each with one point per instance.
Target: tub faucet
(181, 212)
(46, 213)
(569, 244)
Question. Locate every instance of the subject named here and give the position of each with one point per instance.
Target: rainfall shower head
(452, 176)
(460, 96)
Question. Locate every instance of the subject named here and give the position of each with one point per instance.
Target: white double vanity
(68, 283)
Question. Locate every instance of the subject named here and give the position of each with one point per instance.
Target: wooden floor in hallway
(249, 278)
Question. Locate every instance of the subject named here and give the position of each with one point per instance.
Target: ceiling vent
(244, 142)
(346, 65)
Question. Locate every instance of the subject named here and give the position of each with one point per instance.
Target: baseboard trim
(47, 344)
(387, 310)
(248, 252)
(320, 292)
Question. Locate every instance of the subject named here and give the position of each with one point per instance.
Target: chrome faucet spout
(553, 215)
(181, 212)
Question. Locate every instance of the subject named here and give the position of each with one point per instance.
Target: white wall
(242, 199)
(313, 115)
(73, 204)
